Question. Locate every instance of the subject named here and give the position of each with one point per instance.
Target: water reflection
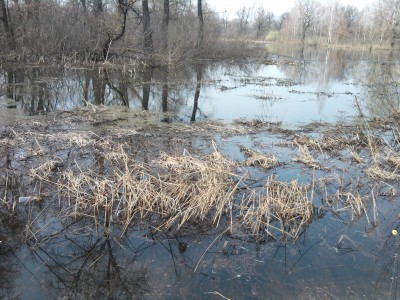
(11, 231)
(383, 89)
(79, 264)
(311, 83)
(199, 76)
(73, 259)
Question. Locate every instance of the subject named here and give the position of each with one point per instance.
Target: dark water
(338, 256)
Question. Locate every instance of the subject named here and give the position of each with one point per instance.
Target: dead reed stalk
(304, 156)
(176, 188)
(280, 210)
(256, 159)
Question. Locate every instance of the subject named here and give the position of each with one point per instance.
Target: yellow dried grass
(287, 203)
(256, 159)
(184, 188)
(377, 172)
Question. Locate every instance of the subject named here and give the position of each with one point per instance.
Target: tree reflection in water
(81, 264)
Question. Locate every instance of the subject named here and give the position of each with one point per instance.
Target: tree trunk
(10, 84)
(84, 6)
(112, 38)
(148, 40)
(165, 89)
(200, 35)
(199, 76)
(147, 75)
(165, 24)
(99, 87)
(98, 7)
(7, 24)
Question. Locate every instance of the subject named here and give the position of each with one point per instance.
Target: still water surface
(305, 85)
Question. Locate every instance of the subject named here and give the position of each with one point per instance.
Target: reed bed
(178, 189)
(281, 210)
(336, 139)
(98, 177)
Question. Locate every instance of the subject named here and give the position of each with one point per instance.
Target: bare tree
(6, 19)
(123, 8)
(260, 22)
(164, 25)
(148, 40)
(394, 21)
(307, 13)
(263, 22)
(345, 22)
(243, 16)
(200, 17)
(386, 20)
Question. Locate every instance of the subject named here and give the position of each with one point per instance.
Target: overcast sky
(276, 6)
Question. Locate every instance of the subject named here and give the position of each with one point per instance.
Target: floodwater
(338, 256)
(300, 87)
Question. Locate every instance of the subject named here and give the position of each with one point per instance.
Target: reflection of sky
(288, 104)
(320, 87)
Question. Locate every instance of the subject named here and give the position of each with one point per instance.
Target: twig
(197, 265)
(218, 294)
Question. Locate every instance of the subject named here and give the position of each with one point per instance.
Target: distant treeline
(171, 30)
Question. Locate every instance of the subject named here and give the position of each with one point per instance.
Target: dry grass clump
(217, 127)
(192, 188)
(394, 159)
(256, 123)
(304, 156)
(355, 156)
(308, 142)
(46, 170)
(183, 188)
(256, 159)
(335, 140)
(377, 172)
(353, 201)
(356, 203)
(280, 210)
(71, 139)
